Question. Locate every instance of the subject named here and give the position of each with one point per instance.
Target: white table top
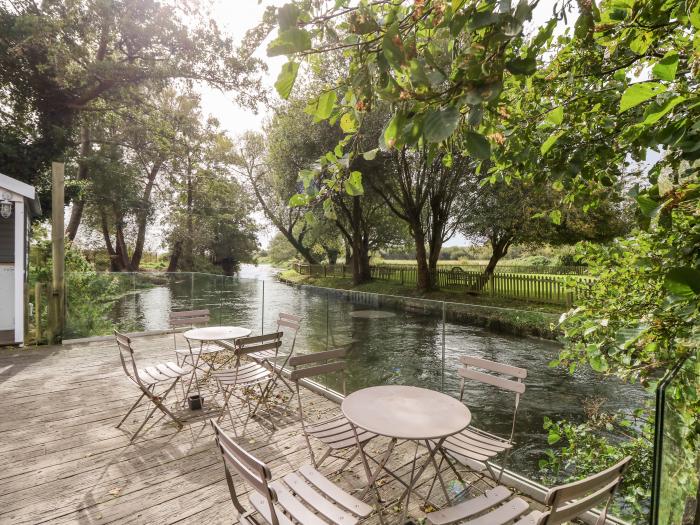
(406, 412)
(216, 333)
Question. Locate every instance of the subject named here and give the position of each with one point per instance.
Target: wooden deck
(63, 460)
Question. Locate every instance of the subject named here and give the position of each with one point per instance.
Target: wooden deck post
(57, 302)
(37, 311)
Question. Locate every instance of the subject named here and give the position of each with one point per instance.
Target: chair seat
(475, 444)
(206, 349)
(531, 519)
(487, 509)
(311, 499)
(263, 355)
(161, 372)
(246, 375)
(337, 433)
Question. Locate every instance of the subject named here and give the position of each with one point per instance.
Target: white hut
(18, 203)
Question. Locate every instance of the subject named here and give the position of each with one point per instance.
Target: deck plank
(65, 462)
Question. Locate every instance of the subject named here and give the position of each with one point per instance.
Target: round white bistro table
(211, 334)
(407, 413)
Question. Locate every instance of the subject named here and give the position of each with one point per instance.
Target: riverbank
(513, 317)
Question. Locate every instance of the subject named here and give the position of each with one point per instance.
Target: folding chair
(473, 447)
(163, 376)
(565, 502)
(191, 319)
(336, 433)
(247, 375)
(293, 323)
(305, 496)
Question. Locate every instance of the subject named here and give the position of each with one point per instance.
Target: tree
(518, 212)
(273, 180)
(59, 60)
(211, 213)
(420, 189)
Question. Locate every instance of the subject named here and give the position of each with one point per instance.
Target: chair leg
(131, 409)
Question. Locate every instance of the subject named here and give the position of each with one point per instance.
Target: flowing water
(393, 347)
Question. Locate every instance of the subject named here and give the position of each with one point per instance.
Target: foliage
(641, 316)
(601, 441)
(89, 294)
(280, 251)
(60, 59)
(211, 212)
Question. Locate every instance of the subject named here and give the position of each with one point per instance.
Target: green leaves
(322, 107)
(353, 184)
(478, 146)
(555, 217)
(598, 363)
(440, 124)
(289, 41)
(654, 112)
(348, 122)
(551, 140)
(522, 66)
(392, 130)
(638, 93)
(392, 47)
(683, 282)
(665, 69)
(286, 78)
(556, 116)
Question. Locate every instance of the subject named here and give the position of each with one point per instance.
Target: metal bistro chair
(565, 502)
(247, 375)
(336, 433)
(270, 357)
(191, 319)
(473, 447)
(163, 375)
(304, 497)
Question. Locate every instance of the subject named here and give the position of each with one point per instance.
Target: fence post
(325, 270)
(401, 276)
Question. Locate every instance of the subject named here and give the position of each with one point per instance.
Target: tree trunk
(121, 250)
(188, 246)
(175, 257)
(142, 219)
(76, 212)
(435, 246)
(499, 249)
(113, 262)
(423, 280)
(365, 270)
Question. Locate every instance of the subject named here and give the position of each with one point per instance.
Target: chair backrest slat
(188, 321)
(259, 347)
(494, 366)
(318, 357)
(317, 370)
(289, 317)
(253, 471)
(255, 339)
(573, 499)
(500, 382)
(189, 313)
(126, 353)
(288, 324)
(189, 318)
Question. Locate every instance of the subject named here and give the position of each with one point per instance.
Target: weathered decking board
(65, 462)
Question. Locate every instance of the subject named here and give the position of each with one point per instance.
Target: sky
(235, 18)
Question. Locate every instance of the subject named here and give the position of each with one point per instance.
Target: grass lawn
(394, 288)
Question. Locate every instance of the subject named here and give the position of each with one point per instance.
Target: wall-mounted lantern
(6, 205)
